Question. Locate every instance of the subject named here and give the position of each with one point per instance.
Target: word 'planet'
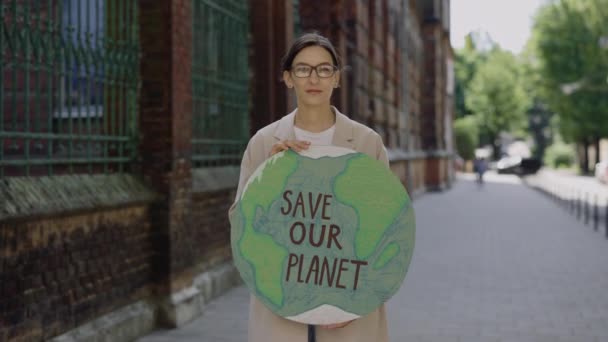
(323, 237)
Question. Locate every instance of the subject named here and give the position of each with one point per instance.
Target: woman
(311, 68)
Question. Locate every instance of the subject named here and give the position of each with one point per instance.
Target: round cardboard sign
(324, 236)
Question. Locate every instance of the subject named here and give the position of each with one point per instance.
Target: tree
(539, 114)
(467, 61)
(466, 135)
(573, 67)
(497, 98)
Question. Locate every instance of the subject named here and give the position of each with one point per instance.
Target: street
(498, 262)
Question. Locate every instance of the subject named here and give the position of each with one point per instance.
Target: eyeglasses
(322, 70)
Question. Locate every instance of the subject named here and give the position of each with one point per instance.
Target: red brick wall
(166, 146)
(414, 69)
(357, 58)
(374, 94)
(63, 270)
(430, 89)
(365, 33)
(210, 218)
(329, 18)
(58, 273)
(435, 98)
(155, 121)
(271, 27)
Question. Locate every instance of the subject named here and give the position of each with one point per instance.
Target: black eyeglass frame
(335, 68)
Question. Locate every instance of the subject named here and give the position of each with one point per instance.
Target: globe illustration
(324, 236)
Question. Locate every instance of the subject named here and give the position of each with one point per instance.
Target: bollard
(571, 200)
(596, 214)
(578, 205)
(554, 194)
(586, 208)
(606, 219)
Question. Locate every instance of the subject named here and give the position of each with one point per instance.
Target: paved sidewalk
(494, 263)
(571, 186)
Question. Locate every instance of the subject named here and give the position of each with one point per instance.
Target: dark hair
(304, 41)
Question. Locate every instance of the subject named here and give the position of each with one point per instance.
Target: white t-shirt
(316, 139)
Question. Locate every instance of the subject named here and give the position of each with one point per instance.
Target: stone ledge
(185, 305)
(141, 318)
(51, 195)
(125, 324)
(418, 193)
(215, 178)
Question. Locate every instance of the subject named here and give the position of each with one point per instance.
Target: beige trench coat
(265, 326)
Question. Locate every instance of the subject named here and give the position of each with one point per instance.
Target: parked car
(518, 165)
(601, 171)
(508, 164)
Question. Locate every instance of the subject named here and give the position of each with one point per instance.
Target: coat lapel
(284, 129)
(343, 136)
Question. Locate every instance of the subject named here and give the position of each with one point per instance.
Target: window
(220, 82)
(68, 86)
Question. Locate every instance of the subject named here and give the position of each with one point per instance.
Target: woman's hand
(296, 145)
(337, 325)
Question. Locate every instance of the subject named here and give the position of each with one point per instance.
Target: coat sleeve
(252, 158)
(381, 154)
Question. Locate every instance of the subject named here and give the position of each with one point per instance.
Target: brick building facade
(398, 78)
(123, 248)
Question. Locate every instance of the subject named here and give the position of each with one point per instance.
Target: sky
(507, 21)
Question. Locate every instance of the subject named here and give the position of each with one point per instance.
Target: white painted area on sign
(316, 152)
(324, 314)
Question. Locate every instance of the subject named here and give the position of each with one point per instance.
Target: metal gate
(220, 82)
(68, 86)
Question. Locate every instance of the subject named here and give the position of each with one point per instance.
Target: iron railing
(68, 86)
(220, 76)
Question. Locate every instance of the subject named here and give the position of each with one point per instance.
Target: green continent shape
(391, 250)
(265, 255)
(375, 216)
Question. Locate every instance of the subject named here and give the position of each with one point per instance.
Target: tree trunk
(496, 147)
(584, 163)
(597, 150)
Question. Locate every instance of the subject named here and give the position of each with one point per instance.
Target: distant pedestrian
(480, 166)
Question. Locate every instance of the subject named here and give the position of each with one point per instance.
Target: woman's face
(313, 90)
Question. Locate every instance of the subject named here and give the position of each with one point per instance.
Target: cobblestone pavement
(498, 262)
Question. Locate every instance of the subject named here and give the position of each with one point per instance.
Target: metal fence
(220, 77)
(68, 86)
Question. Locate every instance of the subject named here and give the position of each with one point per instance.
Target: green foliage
(466, 135)
(466, 63)
(539, 114)
(496, 96)
(572, 66)
(560, 155)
